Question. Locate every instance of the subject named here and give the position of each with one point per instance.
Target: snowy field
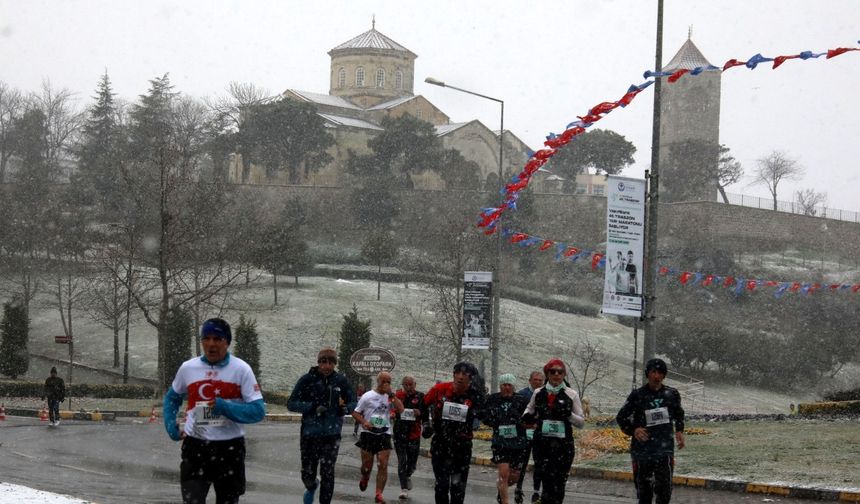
(310, 315)
(17, 494)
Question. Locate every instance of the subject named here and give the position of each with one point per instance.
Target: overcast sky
(549, 61)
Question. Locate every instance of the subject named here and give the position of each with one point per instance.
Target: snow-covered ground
(17, 494)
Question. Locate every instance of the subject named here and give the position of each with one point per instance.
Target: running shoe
(379, 498)
(404, 494)
(362, 483)
(310, 492)
(535, 498)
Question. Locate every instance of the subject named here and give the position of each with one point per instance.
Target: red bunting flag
(677, 75)
(663, 270)
(794, 287)
(518, 237)
(544, 154)
(855, 288)
(771, 283)
(603, 108)
(571, 251)
(751, 284)
(779, 60)
(595, 260)
(832, 53)
(685, 277)
(546, 244)
(708, 280)
(517, 186)
(733, 63)
(590, 118)
(729, 281)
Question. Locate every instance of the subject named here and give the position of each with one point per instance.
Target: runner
(454, 406)
(222, 395)
(554, 409)
(535, 382)
(323, 397)
(647, 417)
(504, 411)
(373, 413)
(407, 433)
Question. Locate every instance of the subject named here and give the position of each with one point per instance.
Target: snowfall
(17, 494)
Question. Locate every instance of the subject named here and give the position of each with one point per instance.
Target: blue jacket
(322, 401)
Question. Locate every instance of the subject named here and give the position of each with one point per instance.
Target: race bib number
(205, 417)
(378, 421)
(552, 428)
(530, 434)
(657, 416)
(408, 414)
(508, 431)
(454, 412)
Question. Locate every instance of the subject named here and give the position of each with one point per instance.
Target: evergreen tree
(15, 332)
(99, 157)
(355, 334)
(248, 344)
(179, 329)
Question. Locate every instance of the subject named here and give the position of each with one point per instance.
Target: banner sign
(625, 243)
(477, 309)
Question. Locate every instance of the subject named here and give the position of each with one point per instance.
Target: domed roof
(372, 39)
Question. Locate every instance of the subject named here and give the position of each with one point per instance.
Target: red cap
(554, 362)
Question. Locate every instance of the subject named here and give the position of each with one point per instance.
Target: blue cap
(217, 327)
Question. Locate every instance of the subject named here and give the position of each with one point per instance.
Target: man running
(535, 382)
(323, 397)
(454, 406)
(55, 393)
(647, 417)
(407, 433)
(373, 413)
(555, 410)
(222, 394)
(504, 411)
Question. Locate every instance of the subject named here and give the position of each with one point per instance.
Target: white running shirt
(376, 409)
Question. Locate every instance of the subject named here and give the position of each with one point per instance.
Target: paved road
(129, 461)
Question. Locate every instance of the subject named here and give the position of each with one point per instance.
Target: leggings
(407, 458)
(451, 460)
(319, 452)
(553, 457)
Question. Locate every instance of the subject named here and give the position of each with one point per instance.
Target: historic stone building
(689, 111)
(373, 77)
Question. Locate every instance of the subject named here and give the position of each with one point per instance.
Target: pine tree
(355, 334)
(179, 334)
(248, 344)
(15, 332)
(99, 152)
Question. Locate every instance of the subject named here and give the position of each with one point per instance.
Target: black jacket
(501, 411)
(657, 411)
(55, 389)
(332, 392)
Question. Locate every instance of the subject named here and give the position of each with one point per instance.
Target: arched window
(398, 80)
(359, 77)
(380, 78)
(341, 78)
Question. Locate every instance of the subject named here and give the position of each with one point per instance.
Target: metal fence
(792, 207)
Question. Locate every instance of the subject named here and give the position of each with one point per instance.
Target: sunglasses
(326, 360)
(555, 371)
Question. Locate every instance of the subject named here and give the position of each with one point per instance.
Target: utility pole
(650, 344)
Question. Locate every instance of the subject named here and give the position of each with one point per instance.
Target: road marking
(25, 455)
(90, 471)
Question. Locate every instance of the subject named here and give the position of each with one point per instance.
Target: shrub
(843, 395)
(15, 332)
(100, 391)
(829, 408)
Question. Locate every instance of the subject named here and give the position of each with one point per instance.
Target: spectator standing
(55, 393)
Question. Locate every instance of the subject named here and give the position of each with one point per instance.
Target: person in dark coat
(653, 418)
(55, 393)
(504, 411)
(323, 397)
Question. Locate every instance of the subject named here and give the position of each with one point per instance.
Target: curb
(93, 416)
(705, 483)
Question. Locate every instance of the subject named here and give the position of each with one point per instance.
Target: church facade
(373, 77)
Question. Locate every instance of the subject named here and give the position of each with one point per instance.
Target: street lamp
(497, 274)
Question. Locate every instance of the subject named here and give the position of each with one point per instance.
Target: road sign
(62, 339)
(370, 361)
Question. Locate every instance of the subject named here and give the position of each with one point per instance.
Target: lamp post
(497, 274)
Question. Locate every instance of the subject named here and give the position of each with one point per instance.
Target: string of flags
(489, 217)
(739, 284)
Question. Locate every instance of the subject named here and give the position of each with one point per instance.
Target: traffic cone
(43, 415)
(152, 418)
(2, 412)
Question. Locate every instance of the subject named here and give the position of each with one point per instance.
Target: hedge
(829, 408)
(101, 391)
(278, 398)
(843, 395)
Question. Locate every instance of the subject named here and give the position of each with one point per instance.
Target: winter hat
(507, 379)
(217, 327)
(53, 370)
(658, 365)
(554, 362)
(328, 353)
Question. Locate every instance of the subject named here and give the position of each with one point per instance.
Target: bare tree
(729, 171)
(63, 123)
(772, 169)
(808, 201)
(11, 107)
(590, 363)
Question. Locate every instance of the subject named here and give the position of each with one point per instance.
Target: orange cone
(152, 418)
(43, 415)
(2, 412)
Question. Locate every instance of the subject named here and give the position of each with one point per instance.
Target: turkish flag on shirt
(208, 390)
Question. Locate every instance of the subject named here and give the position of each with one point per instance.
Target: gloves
(321, 410)
(427, 431)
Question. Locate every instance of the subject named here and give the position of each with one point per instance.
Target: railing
(792, 207)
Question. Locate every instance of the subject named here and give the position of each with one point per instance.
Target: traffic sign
(62, 339)
(370, 361)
